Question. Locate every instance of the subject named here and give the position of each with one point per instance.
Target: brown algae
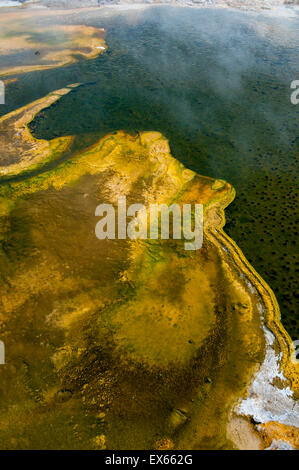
(123, 344)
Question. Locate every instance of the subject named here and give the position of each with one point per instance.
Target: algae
(125, 344)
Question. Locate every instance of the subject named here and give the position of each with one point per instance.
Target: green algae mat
(215, 83)
(128, 344)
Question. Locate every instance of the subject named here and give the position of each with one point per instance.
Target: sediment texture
(129, 344)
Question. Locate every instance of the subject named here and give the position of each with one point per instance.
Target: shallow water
(217, 85)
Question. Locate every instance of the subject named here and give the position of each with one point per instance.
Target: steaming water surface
(216, 83)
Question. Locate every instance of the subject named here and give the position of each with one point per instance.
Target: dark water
(217, 85)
